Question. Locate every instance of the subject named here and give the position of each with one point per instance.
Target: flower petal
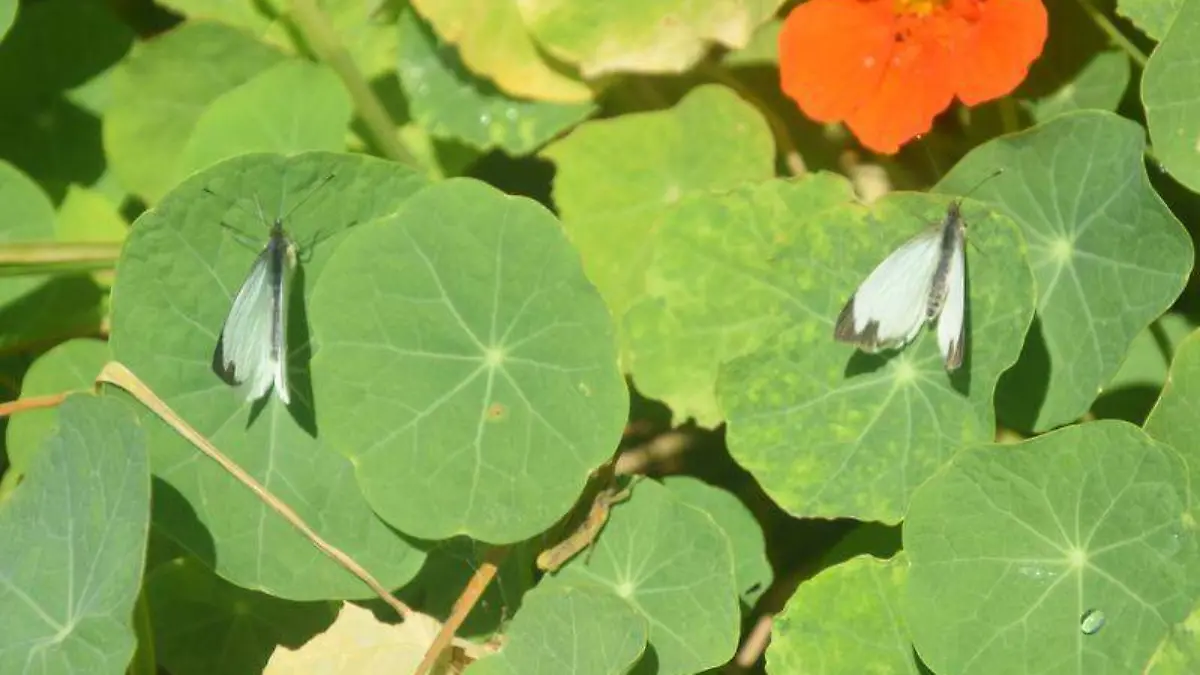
(832, 53)
(918, 84)
(996, 50)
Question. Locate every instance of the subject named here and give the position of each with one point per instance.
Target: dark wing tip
(954, 358)
(843, 331)
(222, 367)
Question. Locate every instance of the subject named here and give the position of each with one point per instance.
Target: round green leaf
(1179, 654)
(647, 36)
(711, 140)
(449, 102)
(1171, 96)
(74, 544)
(159, 94)
(290, 107)
(191, 610)
(72, 365)
(751, 567)
(1012, 546)
(1107, 254)
(466, 363)
(1173, 420)
(715, 292)
(175, 283)
(1137, 385)
(845, 620)
(493, 43)
(1154, 17)
(831, 432)
(1099, 85)
(674, 564)
(580, 628)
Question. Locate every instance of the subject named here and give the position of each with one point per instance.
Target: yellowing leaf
(648, 36)
(357, 643)
(493, 42)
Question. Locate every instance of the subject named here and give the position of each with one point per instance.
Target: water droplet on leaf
(1091, 622)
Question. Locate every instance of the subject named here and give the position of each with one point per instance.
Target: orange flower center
(916, 7)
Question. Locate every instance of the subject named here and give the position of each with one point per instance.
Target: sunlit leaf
(494, 43)
(1171, 95)
(1107, 255)
(829, 431)
(175, 282)
(1154, 17)
(672, 562)
(1016, 550)
(845, 620)
(482, 367)
(641, 35)
(359, 644)
(582, 628)
(449, 102)
(1098, 86)
(155, 110)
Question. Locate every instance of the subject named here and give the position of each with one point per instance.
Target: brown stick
(31, 403)
(462, 606)
(117, 374)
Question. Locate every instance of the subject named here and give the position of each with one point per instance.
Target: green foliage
(73, 546)
(548, 252)
(1019, 543)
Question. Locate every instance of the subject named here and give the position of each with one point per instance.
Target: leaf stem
(1114, 33)
(31, 403)
(462, 607)
(54, 257)
(315, 26)
(115, 373)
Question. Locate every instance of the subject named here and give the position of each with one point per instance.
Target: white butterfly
(252, 351)
(924, 279)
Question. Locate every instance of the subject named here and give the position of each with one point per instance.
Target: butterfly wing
(244, 355)
(950, 326)
(890, 307)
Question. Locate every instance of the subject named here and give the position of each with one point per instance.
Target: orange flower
(887, 67)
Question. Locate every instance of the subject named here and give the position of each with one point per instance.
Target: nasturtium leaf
(175, 283)
(1154, 17)
(711, 140)
(86, 215)
(449, 102)
(1174, 420)
(582, 628)
(236, 13)
(155, 108)
(291, 107)
(831, 432)
(70, 366)
(28, 217)
(647, 36)
(1179, 654)
(192, 610)
(74, 544)
(466, 363)
(762, 50)
(1098, 86)
(493, 43)
(1107, 254)
(714, 289)
(358, 643)
(1016, 550)
(674, 564)
(750, 565)
(1171, 96)
(845, 620)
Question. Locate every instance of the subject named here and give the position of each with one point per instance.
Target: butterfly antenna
(978, 185)
(312, 191)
